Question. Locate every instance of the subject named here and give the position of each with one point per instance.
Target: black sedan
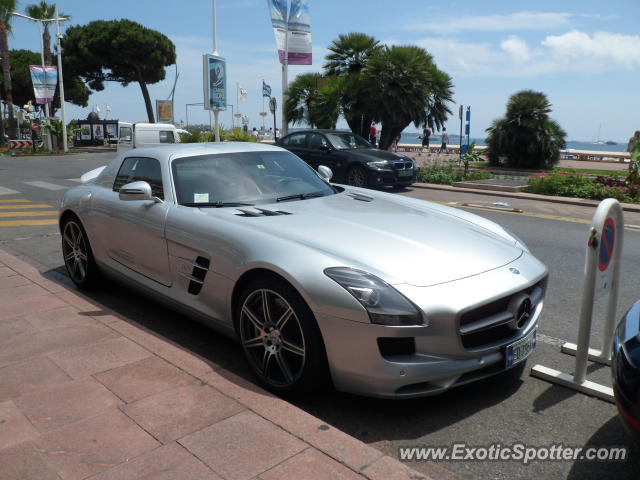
(626, 369)
(352, 159)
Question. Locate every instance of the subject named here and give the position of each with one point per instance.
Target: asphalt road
(504, 409)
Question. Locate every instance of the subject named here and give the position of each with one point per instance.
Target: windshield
(245, 178)
(342, 141)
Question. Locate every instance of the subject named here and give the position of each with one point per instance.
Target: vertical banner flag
(215, 82)
(296, 25)
(266, 90)
(44, 81)
(242, 93)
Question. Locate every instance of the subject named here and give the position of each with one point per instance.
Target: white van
(142, 134)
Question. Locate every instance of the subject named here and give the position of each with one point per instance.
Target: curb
(357, 456)
(628, 207)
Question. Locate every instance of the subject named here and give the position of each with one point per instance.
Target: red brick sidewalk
(85, 393)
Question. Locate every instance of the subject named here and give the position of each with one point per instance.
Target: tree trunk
(6, 72)
(147, 99)
(388, 134)
(359, 124)
(46, 39)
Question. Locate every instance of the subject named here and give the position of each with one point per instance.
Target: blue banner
(215, 82)
(292, 29)
(44, 81)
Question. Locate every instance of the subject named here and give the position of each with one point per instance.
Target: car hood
(372, 154)
(400, 240)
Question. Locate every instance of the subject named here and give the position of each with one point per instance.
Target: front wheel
(280, 338)
(78, 257)
(357, 177)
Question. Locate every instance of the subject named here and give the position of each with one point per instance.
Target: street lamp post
(40, 21)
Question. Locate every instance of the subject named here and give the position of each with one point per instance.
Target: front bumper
(414, 361)
(388, 177)
(625, 369)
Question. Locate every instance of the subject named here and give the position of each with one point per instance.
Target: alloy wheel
(357, 177)
(74, 249)
(272, 338)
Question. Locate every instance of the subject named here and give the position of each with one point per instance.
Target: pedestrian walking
(444, 137)
(394, 144)
(426, 133)
(372, 133)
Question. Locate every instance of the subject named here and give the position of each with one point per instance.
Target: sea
(413, 138)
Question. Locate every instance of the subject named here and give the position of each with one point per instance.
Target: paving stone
(90, 446)
(169, 462)
(175, 413)
(30, 291)
(24, 377)
(99, 357)
(23, 462)
(25, 306)
(242, 446)
(59, 318)
(35, 343)
(310, 463)
(146, 377)
(7, 272)
(54, 406)
(13, 281)
(13, 328)
(14, 426)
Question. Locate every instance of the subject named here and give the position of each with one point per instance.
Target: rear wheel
(357, 177)
(280, 338)
(77, 254)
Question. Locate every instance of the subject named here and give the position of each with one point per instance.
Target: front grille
(403, 165)
(489, 324)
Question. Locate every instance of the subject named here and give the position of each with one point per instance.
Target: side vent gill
(198, 274)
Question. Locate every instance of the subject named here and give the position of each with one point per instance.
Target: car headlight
(379, 164)
(384, 304)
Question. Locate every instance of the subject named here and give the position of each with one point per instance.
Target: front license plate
(405, 173)
(518, 351)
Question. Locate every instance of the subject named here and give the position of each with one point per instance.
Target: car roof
(320, 130)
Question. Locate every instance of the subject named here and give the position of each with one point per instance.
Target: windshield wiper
(300, 196)
(217, 204)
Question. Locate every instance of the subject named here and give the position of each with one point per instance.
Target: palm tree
(6, 8)
(401, 82)
(302, 91)
(42, 11)
(349, 53)
(526, 137)
(348, 58)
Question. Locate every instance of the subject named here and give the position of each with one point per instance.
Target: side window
(166, 136)
(317, 141)
(135, 169)
(296, 140)
(125, 134)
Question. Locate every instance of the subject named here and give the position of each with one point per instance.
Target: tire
(284, 348)
(357, 177)
(77, 254)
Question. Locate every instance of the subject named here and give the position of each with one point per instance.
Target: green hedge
(448, 174)
(573, 185)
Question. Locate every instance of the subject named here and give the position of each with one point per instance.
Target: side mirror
(137, 191)
(325, 173)
(325, 148)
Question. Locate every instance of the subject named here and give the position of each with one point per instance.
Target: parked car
(388, 295)
(625, 368)
(352, 159)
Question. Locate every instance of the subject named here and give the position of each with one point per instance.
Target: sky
(583, 54)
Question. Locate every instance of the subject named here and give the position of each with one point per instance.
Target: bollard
(602, 276)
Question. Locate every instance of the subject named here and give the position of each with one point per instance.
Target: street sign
(273, 105)
(18, 145)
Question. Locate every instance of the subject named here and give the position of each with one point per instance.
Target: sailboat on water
(601, 142)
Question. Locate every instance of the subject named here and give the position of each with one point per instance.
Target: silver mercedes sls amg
(384, 295)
